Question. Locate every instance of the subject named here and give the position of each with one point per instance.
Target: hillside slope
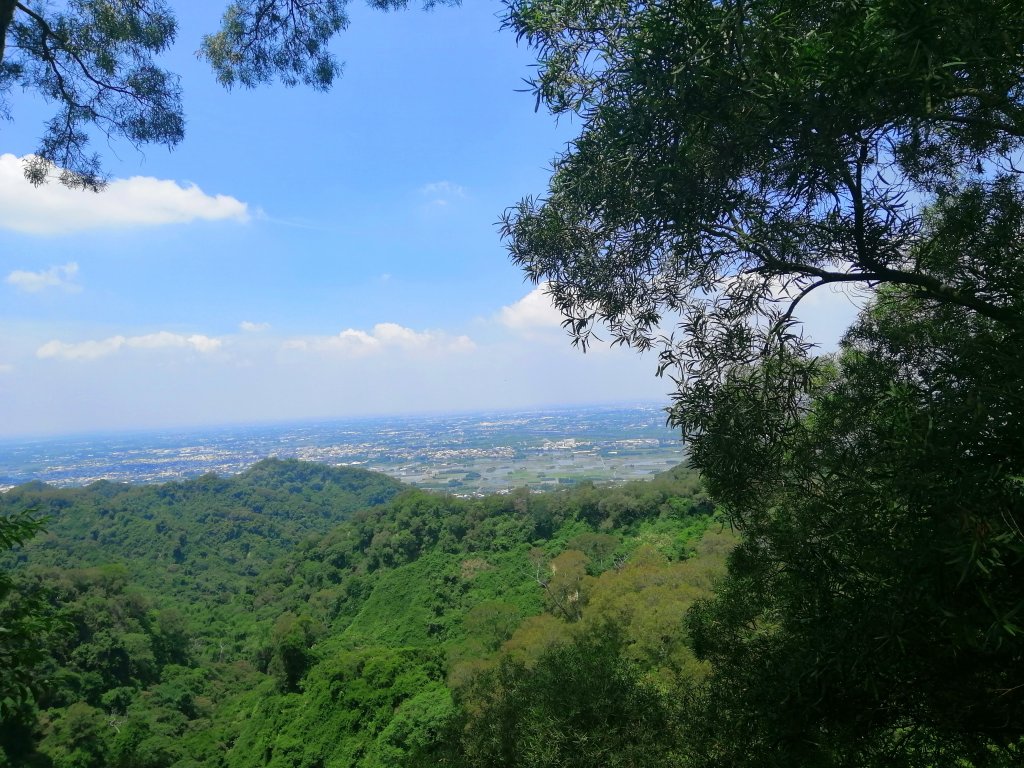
(281, 618)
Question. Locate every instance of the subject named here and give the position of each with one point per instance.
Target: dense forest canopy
(369, 642)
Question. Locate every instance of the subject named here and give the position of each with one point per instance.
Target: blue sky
(302, 255)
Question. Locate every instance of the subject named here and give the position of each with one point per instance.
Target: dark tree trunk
(6, 16)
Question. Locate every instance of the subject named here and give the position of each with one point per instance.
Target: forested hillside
(298, 616)
(197, 537)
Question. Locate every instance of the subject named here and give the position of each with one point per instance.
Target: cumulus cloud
(250, 327)
(141, 201)
(533, 312)
(384, 337)
(60, 277)
(96, 348)
(441, 194)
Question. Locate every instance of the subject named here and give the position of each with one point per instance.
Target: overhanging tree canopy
(97, 61)
(735, 155)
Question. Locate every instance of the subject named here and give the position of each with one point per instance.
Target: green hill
(297, 615)
(197, 536)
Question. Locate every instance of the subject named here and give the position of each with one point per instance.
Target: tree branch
(48, 32)
(6, 17)
(979, 122)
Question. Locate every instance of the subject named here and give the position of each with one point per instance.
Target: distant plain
(464, 454)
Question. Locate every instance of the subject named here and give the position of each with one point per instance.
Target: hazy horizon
(327, 420)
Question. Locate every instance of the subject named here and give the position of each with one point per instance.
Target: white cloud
(532, 312)
(250, 327)
(97, 348)
(166, 339)
(83, 350)
(141, 201)
(61, 277)
(442, 193)
(827, 312)
(383, 337)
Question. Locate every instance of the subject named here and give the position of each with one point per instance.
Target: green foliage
(491, 623)
(340, 634)
(76, 738)
(24, 619)
(580, 704)
(96, 61)
(644, 599)
(197, 537)
(260, 40)
(872, 614)
(372, 708)
(291, 640)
